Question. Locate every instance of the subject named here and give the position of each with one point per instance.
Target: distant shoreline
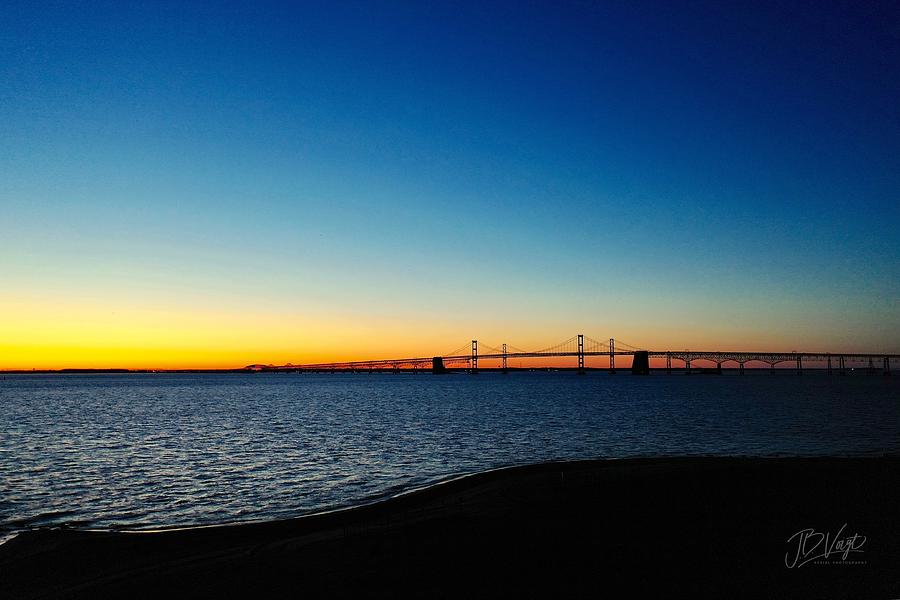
(604, 370)
(121, 371)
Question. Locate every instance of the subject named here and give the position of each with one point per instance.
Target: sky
(220, 184)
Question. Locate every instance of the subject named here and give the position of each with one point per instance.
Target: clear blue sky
(672, 174)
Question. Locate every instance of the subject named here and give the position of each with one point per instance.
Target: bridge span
(580, 347)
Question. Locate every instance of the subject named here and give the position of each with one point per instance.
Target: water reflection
(154, 450)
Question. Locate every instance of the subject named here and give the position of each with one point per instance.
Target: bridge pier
(741, 367)
(829, 364)
(641, 363)
(612, 356)
(437, 366)
(687, 365)
(887, 366)
(772, 368)
(799, 366)
(580, 354)
(843, 369)
(474, 369)
(871, 366)
(668, 363)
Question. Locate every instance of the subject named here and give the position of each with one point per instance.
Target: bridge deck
(719, 357)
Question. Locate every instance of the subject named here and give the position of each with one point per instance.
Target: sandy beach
(711, 527)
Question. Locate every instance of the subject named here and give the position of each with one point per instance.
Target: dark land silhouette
(698, 527)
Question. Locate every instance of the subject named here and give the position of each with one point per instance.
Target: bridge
(580, 347)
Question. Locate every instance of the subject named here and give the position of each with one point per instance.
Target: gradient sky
(221, 184)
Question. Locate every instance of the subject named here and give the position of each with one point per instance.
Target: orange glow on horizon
(45, 334)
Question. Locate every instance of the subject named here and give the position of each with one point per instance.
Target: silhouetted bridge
(580, 347)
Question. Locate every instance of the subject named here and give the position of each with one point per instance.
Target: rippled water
(146, 450)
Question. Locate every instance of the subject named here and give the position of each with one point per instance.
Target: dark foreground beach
(712, 527)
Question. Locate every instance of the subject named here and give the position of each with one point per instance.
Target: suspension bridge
(579, 347)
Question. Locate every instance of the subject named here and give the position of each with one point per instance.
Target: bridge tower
(612, 356)
(504, 358)
(474, 369)
(580, 354)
